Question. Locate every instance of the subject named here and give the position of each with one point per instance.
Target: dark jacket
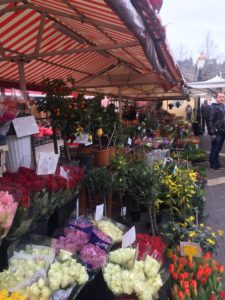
(216, 119)
(205, 110)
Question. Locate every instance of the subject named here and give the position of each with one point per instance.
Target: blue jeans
(216, 147)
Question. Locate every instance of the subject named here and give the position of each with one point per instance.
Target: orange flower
(181, 276)
(187, 292)
(191, 265)
(174, 257)
(207, 255)
(221, 269)
(199, 274)
(174, 276)
(171, 268)
(204, 280)
(181, 296)
(185, 284)
(193, 283)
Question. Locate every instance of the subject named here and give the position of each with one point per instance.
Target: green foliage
(63, 111)
(99, 181)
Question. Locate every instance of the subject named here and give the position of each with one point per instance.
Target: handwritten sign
(190, 249)
(99, 212)
(47, 163)
(129, 237)
(25, 126)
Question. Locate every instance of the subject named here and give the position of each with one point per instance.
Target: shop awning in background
(88, 40)
(207, 88)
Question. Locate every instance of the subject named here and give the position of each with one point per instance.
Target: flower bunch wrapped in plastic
(111, 230)
(196, 278)
(66, 271)
(8, 207)
(93, 256)
(142, 279)
(150, 245)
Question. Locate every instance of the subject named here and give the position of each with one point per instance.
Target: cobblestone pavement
(215, 198)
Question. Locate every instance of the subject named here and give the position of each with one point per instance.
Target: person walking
(204, 112)
(216, 128)
(188, 112)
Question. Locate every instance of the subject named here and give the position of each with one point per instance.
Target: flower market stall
(129, 225)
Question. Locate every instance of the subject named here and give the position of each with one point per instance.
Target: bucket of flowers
(130, 278)
(197, 278)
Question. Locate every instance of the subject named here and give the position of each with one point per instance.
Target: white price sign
(99, 212)
(129, 237)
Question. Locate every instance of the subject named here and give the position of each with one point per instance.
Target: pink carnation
(8, 209)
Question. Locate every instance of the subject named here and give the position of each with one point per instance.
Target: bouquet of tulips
(197, 278)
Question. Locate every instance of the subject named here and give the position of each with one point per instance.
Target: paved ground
(215, 198)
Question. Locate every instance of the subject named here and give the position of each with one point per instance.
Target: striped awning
(84, 39)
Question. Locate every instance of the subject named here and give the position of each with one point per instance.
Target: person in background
(188, 110)
(216, 128)
(204, 112)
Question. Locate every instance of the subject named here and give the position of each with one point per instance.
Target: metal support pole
(120, 106)
(22, 79)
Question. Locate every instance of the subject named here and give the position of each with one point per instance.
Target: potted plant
(63, 110)
(138, 187)
(99, 183)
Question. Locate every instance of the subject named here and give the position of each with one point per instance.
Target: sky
(188, 21)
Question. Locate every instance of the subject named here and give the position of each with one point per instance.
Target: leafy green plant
(62, 109)
(99, 181)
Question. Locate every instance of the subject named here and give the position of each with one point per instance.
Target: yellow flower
(191, 219)
(192, 233)
(210, 241)
(201, 225)
(220, 232)
(209, 228)
(213, 234)
(4, 293)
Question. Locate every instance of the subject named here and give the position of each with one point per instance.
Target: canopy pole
(120, 106)
(22, 79)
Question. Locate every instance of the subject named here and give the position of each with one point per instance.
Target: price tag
(129, 237)
(190, 249)
(123, 211)
(25, 126)
(129, 141)
(63, 173)
(99, 212)
(47, 163)
(77, 207)
(175, 169)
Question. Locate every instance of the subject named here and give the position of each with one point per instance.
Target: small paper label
(123, 211)
(175, 169)
(190, 249)
(129, 141)
(63, 173)
(129, 238)
(47, 163)
(99, 212)
(77, 207)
